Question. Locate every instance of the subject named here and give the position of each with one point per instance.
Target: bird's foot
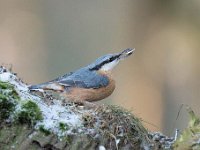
(84, 104)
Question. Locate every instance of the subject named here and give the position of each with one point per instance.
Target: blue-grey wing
(62, 77)
(85, 79)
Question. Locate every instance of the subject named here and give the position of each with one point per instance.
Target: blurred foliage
(189, 138)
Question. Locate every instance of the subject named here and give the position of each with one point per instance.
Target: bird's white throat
(109, 66)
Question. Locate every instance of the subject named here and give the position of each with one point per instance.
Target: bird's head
(109, 61)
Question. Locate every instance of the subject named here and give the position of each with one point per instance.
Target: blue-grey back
(85, 78)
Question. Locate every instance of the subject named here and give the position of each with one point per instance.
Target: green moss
(63, 126)
(8, 90)
(6, 107)
(45, 131)
(8, 100)
(5, 85)
(29, 114)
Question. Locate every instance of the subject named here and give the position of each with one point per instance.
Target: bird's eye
(111, 59)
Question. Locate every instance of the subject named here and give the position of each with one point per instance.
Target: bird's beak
(125, 53)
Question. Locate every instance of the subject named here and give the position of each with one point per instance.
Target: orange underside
(81, 94)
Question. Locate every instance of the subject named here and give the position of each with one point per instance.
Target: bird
(91, 83)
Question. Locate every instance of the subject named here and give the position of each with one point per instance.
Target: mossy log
(36, 122)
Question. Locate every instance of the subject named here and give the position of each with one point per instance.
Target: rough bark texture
(22, 137)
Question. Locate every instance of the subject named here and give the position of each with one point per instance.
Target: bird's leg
(85, 104)
(89, 104)
(48, 97)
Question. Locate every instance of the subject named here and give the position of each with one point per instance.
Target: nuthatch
(91, 83)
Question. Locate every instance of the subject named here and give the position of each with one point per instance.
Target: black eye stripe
(113, 58)
(97, 67)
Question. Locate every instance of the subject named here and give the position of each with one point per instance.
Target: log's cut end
(33, 121)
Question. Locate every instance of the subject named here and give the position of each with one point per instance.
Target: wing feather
(82, 78)
(85, 79)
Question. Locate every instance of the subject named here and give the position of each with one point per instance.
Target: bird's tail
(37, 87)
(46, 86)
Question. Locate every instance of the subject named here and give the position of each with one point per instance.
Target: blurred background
(45, 39)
